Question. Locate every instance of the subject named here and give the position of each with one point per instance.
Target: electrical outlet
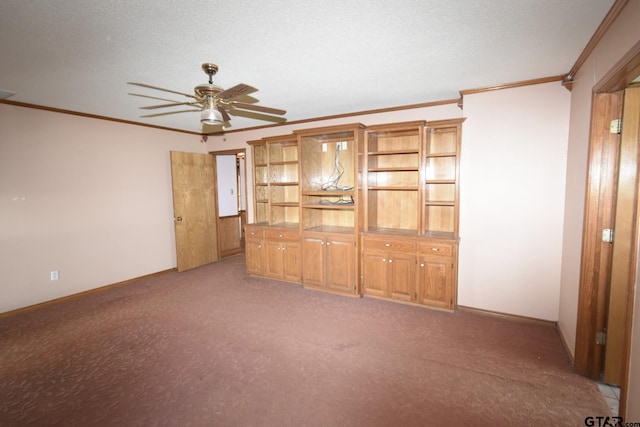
(324, 147)
(343, 145)
(54, 275)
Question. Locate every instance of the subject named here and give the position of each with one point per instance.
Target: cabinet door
(374, 273)
(255, 257)
(313, 261)
(339, 262)
(275, 259)
(401, 273)
(292, 262)
(435, 281)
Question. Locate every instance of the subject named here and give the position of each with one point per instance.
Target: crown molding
(91, 116)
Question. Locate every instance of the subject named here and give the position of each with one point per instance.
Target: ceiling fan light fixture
(211, 116)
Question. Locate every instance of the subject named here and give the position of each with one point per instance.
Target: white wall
(89, 198)
(512, 180)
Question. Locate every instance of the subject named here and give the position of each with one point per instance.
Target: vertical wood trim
(624, 250)
(596, 255)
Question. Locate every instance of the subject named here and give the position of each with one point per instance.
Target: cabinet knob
(390, 260)
(259, 246)
(280, 235)
(384, 260)
(387, 244)
(421, 264)
(322, 243)
(328, 243)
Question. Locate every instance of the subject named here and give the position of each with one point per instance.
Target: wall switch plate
(55, 275)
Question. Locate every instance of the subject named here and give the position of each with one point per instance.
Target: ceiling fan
(215, 104)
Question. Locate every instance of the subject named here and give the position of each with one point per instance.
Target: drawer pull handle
(280, 235)
(387, 244)
(435, 249)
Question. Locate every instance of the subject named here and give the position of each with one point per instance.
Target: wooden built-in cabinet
(255, 252)
(273, 252)
(329, 262)
(409, 268)
(360, 210)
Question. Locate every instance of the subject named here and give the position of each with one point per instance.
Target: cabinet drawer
(389, 244)
(282, 234)
(436, 248)
(254, 233)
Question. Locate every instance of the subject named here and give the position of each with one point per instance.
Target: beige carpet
(215, 347)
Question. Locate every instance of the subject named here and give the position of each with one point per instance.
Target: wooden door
(623, 265)
(401, 271)
(194, 209)
(435, 277)
(292, 262)
(313, 261)
(275, 259)
(374, 273)
(255, 257)
(339, 263)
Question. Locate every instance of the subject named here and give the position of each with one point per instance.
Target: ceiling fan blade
(225, 115)
(257, 116)
(236, 91)
(173, 104)
(246, 98)
(209, 129)
(153, 97)
(170, 112)
(161, 88)
(235, 104)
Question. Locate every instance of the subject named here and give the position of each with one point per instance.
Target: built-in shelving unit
(393, 185)
(441, 189)
(360, 210)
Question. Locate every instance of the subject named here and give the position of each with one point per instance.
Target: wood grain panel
(229, 235)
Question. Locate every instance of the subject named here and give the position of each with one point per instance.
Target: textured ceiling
(312, 59)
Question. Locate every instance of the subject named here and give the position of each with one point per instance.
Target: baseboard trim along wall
(514, 317)
(80, 294)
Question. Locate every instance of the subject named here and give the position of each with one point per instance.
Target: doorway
(231, 190)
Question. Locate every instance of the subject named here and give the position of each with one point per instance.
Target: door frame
(593, 281)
